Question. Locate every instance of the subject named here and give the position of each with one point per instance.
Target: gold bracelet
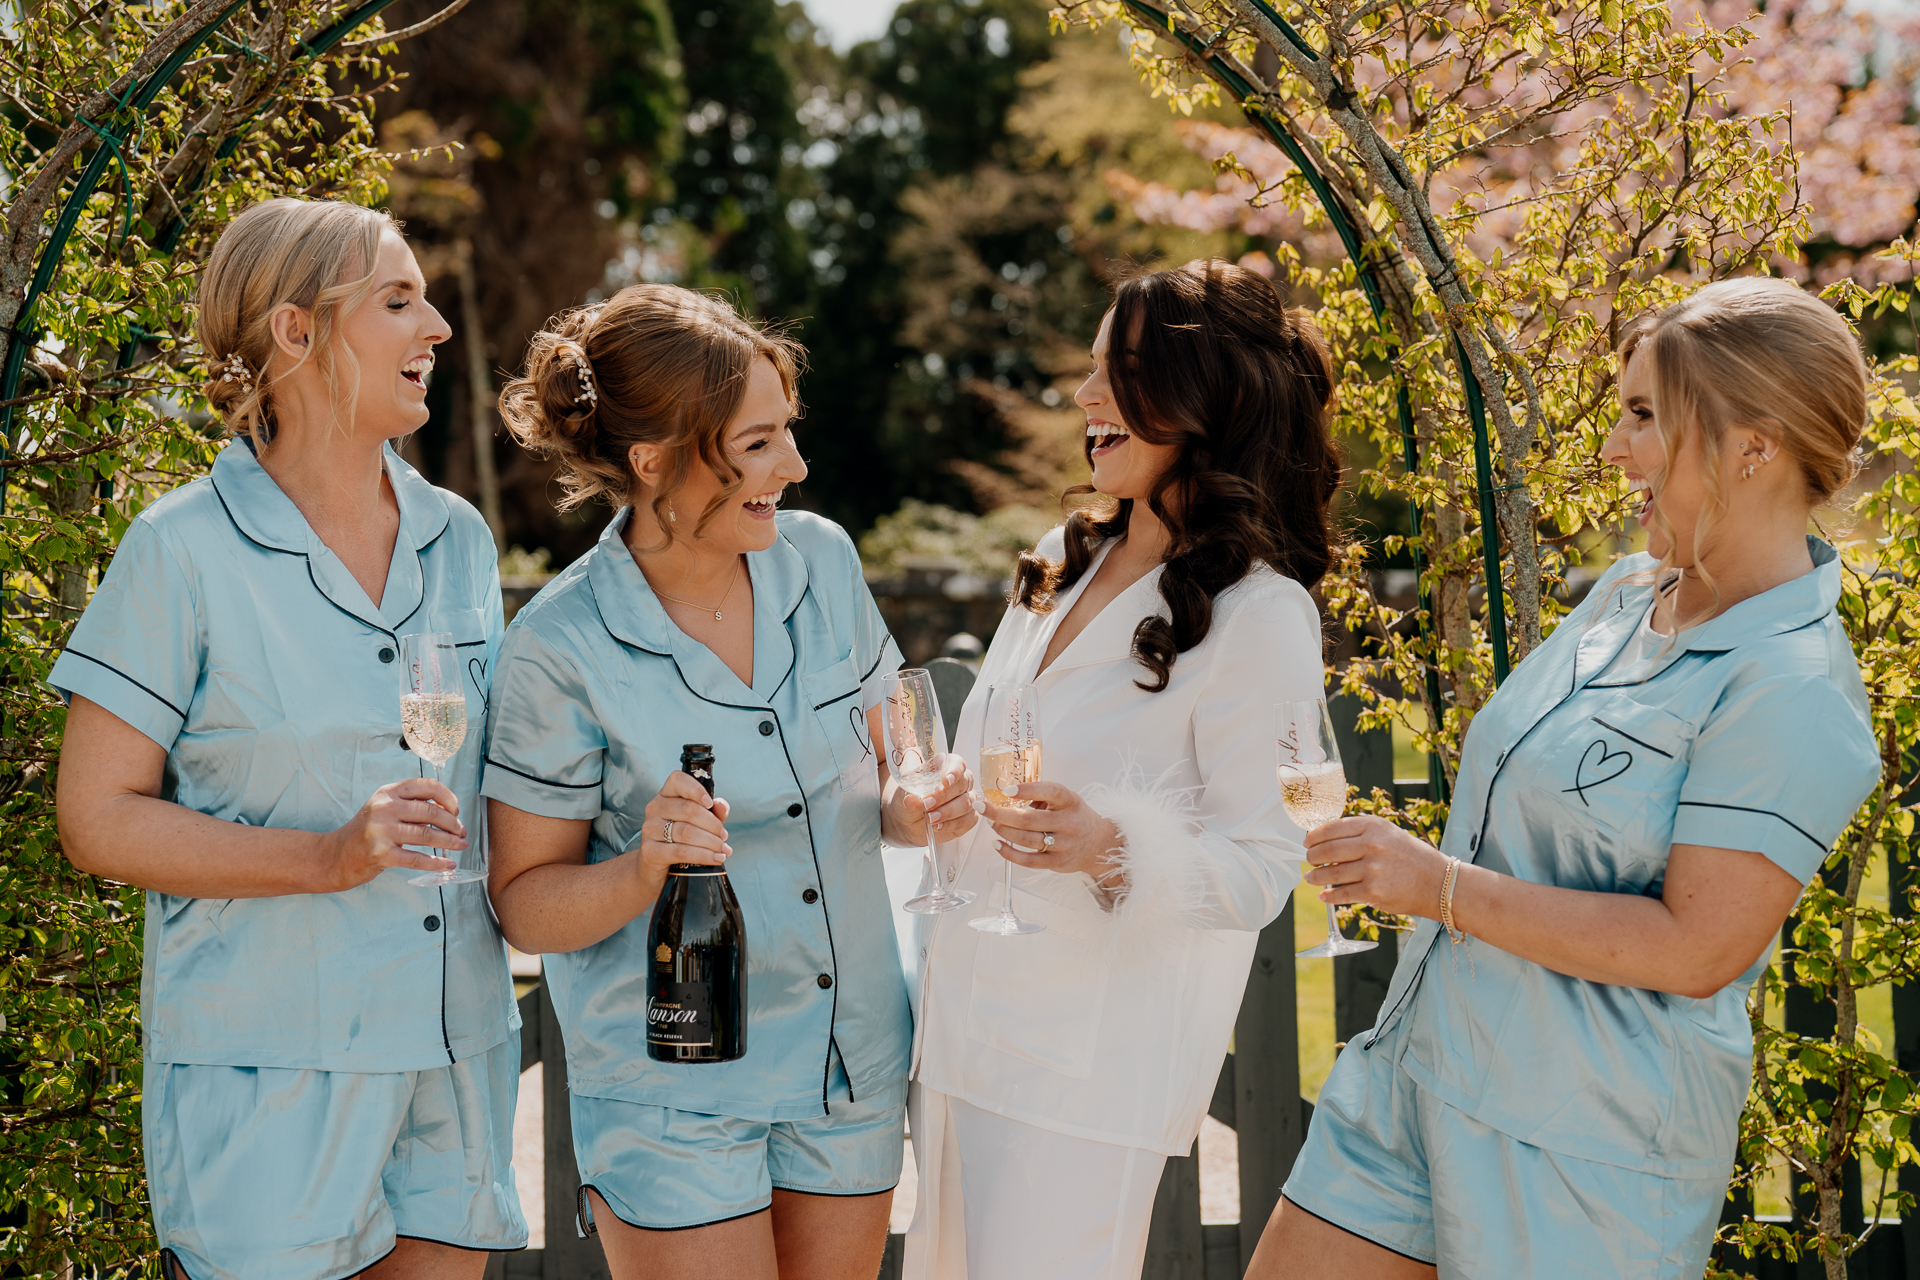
(1446, 902)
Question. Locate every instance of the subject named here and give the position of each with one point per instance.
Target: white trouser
(1000, 1199)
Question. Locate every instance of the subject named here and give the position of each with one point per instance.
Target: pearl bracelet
(1446, 902)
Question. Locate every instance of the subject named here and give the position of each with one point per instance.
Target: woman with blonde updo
(706, 615)
(331, 1054)
(1637, 809)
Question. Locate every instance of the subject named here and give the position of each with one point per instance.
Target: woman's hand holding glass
(1082, 838)
(946, 815)
(681, 824)
(1368, 859)
(416, 811)
(917, 762)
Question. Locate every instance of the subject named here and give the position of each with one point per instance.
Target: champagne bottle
(697, 949)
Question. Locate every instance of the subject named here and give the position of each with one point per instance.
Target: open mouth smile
(1106, 436)
(1645, 490)
(764, 505)
(417, 369)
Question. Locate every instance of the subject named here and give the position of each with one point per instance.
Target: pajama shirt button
(766, 728)
(386, 655)
(432, 923)
(825, 981)
(793, 811)
(810, 896)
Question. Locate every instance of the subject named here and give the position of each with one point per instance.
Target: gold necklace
(701, 607)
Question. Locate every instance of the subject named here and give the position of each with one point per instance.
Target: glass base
(1331, 947)
(939, 902)
(456, 876)
(1006, 924)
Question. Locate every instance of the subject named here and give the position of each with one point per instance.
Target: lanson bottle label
(680, 1014)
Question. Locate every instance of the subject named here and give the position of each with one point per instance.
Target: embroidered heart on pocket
(859, 722)
(1599, 765)
(477, 672)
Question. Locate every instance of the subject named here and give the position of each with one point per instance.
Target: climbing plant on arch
(1507, 185)
(129, 135)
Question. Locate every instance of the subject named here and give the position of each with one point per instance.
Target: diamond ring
(1046, 839)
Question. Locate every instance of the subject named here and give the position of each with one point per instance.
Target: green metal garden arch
(1230, 75)
(112, 139)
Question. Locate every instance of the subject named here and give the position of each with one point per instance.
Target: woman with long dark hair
(1057, 1070)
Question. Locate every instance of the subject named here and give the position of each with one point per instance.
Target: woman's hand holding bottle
(681, 824)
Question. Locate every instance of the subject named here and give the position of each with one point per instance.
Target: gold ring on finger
(1046, 839)
(666, 833)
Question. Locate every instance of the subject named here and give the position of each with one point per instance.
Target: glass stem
(1333, 925)
(933, 866)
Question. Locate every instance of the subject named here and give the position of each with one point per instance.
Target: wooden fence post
(1176, 1249)
(1903, 878)
(1360, 981)
(1269, 1114)
(567, 1256)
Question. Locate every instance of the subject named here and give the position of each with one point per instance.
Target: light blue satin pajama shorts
(666, 1170)
(274, 1173)
(1389, 1162)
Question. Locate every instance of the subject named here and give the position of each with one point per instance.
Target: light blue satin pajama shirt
(595, 693)
(323, 1071)
(1507, 1120)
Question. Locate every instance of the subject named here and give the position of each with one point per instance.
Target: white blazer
(1112, 1024)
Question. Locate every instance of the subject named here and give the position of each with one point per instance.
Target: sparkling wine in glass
(1009, 756)
(1313, 787)
(915, 738)
(433, 714)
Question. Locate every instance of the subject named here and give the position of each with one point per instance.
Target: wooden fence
(1258, 1094)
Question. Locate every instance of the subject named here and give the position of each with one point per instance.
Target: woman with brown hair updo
(706, 615)
(1057, 1071)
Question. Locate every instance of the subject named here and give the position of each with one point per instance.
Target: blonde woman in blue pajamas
(331, 1054)
(1636, 812)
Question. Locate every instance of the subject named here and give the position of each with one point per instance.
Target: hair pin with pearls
(586, 395)
(235, 369)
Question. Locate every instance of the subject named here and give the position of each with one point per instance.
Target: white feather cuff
(1161, 855)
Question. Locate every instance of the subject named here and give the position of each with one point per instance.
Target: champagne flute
(1313, 787)
(433, 712)
(1009, 755)
(915, 737)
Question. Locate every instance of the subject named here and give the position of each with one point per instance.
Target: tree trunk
(480, 392)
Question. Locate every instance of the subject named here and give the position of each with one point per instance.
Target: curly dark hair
(1210, 358)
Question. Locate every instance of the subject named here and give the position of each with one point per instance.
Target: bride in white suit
(1055, 1072)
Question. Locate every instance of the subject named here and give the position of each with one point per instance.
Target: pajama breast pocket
(1619, 767)
(834, 696)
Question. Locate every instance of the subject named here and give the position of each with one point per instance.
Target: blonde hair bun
(278, 252)
(1762, 352)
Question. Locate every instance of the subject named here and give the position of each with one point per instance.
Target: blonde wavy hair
(278, 252)
(1756, 352)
